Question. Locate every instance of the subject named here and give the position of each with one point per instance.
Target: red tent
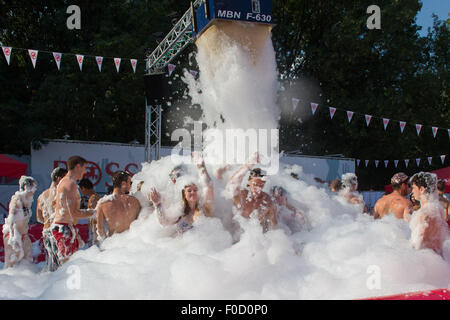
(442, 174)
(11, 168)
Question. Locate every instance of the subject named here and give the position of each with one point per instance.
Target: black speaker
(156, 88)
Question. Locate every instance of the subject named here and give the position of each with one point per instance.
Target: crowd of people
(418, 200)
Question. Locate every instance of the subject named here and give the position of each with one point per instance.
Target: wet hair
(425, 179)
(74, 161)
(294, 175)
(336, 184)
(176, 172)
(256, 173)
(119, 177)
(185, 202)
(349, 180)
(25, 181)
(278, 190)
(441, 185)
(86, 183)
(109, 190)
(57, 173)
(398, 179)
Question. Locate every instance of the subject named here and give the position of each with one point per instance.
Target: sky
(439, 7)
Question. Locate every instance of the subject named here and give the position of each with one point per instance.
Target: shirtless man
(350, 190)
(87, 189)
(45, 213)
(15, 230)
(442, 198)
(118, 210)
(252, 199)
(428, 227)
(279, 196)
(395, 203)
(68, 210)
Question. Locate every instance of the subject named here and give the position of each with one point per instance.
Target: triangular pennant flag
(99, 62)
(33, 55)
(429, 160)
(171, 67)
(295, 103)
(80, 59)
(367, 162)
(349, 116)
(117, 63)
(435, 130)
(406, 162)
(357, 162)
(443, 158)
(7, 53)
(448, 133)
(386, 163)
(376, 163)
(193, 72)
(332, 112)
(402, 126)
(396, 163)
(418, 161)
(133, 64)
(314, 107)
(418, 128)
(385, 122)
(368, 117)
(57, 56)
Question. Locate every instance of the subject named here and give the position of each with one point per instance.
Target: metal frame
(152, 130)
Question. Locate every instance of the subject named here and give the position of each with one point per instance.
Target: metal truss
(152, 132)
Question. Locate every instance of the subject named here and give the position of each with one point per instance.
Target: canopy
(11, 168)
(442, 174)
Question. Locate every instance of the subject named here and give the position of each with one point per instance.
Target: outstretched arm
(234, 185)
(39, 213)
(209, 197)
(155, 198)
(73, 203)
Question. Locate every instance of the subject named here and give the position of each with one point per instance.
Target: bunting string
(404, 162)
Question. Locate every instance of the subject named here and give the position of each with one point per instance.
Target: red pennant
(418, 161)
(402, 126)
(171, 67)
(117, 63)
(435, 130)
(349, 116)
(443, 158)
(7, 52)
(57, 56)
(368, 117)
(448, 133)
(99, 62)
(33, 56)
(314, 107)
(418, 128)
(385, 122)
(332, 112)
(80, 59)
(429, 160)
(406, 162)
(295, 103)
(133, 64)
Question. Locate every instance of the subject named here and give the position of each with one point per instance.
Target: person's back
(119, 211)
(392, 204)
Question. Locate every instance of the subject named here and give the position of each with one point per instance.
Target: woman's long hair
(186, 204)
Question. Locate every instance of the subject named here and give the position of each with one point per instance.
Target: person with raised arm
(67, 210)
(253, 199)
(192, 206)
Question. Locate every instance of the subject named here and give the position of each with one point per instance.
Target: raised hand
(197, 159)
(155, 197)
(254, 159)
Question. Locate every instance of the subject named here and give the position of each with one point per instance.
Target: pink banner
(402, 126)
(366, 162)
(385, 122)
(80, 59)
(57, 56)
(443, 158)
(171, 67)
(396, 163)
(435, 130)
(418, 162)
(33, 56)
(332, 112)
(418, 128)
(314, 107)
(386, 163)
(117, 63)
(406, 162)
(99, 63)
(429, 160)
(349, 116)
(295, 103)
(133, 64)
(376, 163)
(368, 117)
(7, 52)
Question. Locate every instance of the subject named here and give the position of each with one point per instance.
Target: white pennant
(7, 52)
(171, 67)
(402, 126)
(418, 161)
(295, 103)
(406, 162)
(418, 128)
(396, 163)
(349, 116)
(386, 163)
(193, 72)
(357, 162)
(367, 162)
(133, 64)
(80, 59)
(117, 63)
(376, 163)
(33, 56)
(435, 130)
(429, 160)
(332, 112)
(99, 62)
(368, 117)
(385, 122)
(443, 158)
(57, 56)
(314, 107)
(448, 133)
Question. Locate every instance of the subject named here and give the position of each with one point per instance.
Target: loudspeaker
(156, 88)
